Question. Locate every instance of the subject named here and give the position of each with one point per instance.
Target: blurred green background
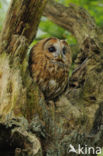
(47, 28)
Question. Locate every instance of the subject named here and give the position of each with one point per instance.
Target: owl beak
(60, 56)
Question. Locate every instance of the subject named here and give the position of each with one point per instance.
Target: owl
(49, 63)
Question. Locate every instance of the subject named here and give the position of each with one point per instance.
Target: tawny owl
(49, 64)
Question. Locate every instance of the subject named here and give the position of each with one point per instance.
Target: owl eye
(52, 49)
(64, 50)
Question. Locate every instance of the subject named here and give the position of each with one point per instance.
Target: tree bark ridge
(73, 18)
(19, 95)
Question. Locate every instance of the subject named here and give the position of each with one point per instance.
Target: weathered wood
(19, 96)
(77, 21)
(78, 109)
(22, 19)
(75, 117)
(73, 18)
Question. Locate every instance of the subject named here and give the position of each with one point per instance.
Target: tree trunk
(27, 124)
(81, 107)
(19, 96)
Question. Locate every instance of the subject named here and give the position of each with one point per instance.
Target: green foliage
(3, 9)
(101, 153)
(94, 7)
(48, 28)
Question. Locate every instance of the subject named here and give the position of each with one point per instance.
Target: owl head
(55, 49)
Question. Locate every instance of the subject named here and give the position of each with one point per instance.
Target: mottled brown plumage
(50, 60)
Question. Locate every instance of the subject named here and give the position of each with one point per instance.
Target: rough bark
(75, 117)
(81, 107)
(73, 18)
(19, 96)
